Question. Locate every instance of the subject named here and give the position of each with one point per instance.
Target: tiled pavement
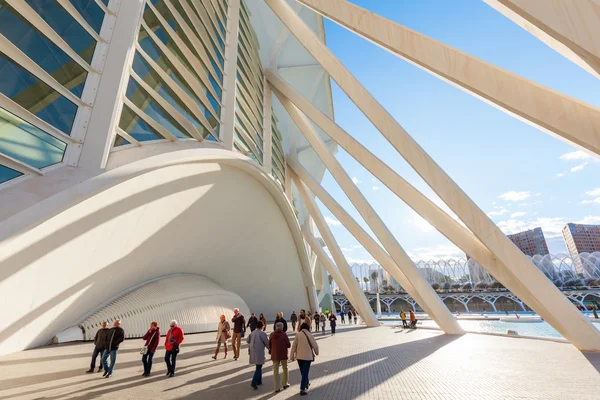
(377, 363)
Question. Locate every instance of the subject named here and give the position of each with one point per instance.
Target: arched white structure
(204, 211)
(194, 301)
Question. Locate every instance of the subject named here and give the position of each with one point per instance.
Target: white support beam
(431, 302)
(572, 28)
(555, 113)
(229, 75)
(553, 305)
(370, 245)
(345, 275)
(267, 132)
(446, 225)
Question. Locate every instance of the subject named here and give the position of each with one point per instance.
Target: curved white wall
(194, 301)
(207, 212)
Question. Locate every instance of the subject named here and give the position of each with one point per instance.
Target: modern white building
(146, 142)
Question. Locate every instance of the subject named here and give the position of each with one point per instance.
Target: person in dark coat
(279, 343)
(349, 316)
(332, 323)
(114, 338)
(239, 322)
(252, 322)
(317, 319)
(152, 337)
(343, 316)
(99, 343)
(293, 320)
(282, 320)
(262, 319)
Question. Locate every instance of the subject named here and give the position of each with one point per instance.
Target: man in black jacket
(99, 340)
(252, 322)
(113, 339)
(282, 320)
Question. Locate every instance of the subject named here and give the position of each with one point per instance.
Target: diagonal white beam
(372, 247)
(328, 264)
(570, 27)
(345, 276)
(446, 225)
(431, 302)
(557, 310)
(551, 111)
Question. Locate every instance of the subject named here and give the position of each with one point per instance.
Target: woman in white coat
(304, 349)
(223, 333)
(258, 342)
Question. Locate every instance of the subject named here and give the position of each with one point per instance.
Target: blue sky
(519, 175)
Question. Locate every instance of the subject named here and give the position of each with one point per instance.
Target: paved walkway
(378, 363)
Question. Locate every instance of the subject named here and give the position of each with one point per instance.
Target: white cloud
(552, 227)
(596, 200)
(436, 253)
(355, 180)
(538, 194)
(332, 221)
(499, 211)
(595, 192)
(578, 167)
(590, 219)
(375, 187)
(518, 214)
(515, 196)
(560, 174)
(576, 155)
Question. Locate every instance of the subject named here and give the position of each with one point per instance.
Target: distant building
(581, 239)
(530, 242)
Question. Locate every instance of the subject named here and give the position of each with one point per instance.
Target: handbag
(310, 344)
(227, 335)
(144, 349)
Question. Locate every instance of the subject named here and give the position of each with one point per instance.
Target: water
(538, 329)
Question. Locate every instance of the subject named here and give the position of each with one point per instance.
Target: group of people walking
(413, 320)
(303, 349)
(107, 341)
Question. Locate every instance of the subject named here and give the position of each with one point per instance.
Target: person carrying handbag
(223, 334)
(152, 337)
(172, 342)
(304, 349)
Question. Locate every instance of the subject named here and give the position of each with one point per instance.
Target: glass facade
(181, 63)
(278, 159)
(23, 137)
(249, 108)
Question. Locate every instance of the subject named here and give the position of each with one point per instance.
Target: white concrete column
(546, 299)
(345, 273)
(267, 132)
(430, 300)
(229, 75)
(378, 306)
(570, 27)
(335, 272)
(106, 112)
(544, 108)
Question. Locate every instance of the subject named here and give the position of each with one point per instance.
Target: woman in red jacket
(172, 342)
(152, 337)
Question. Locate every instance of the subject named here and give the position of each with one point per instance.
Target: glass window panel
(136, 127)
(41, 50)
(28, 144)
(105, 2)
(143, 101)
(92, 13)
(159, 86)
(120, 141)
(68, 29)
(35, 96)
(6, 174)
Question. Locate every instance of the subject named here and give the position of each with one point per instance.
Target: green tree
(375, 276)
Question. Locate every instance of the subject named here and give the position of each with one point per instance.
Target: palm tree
(375, 276)
(366, 281)
(384, 282)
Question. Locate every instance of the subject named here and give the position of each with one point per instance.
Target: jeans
(257, 377)
(293, 326)
(316, 326)
(304, 366)
(113, 358)
(147, 361)
(404, 324)
(170, 358)
(280, 382)
(97, 352)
